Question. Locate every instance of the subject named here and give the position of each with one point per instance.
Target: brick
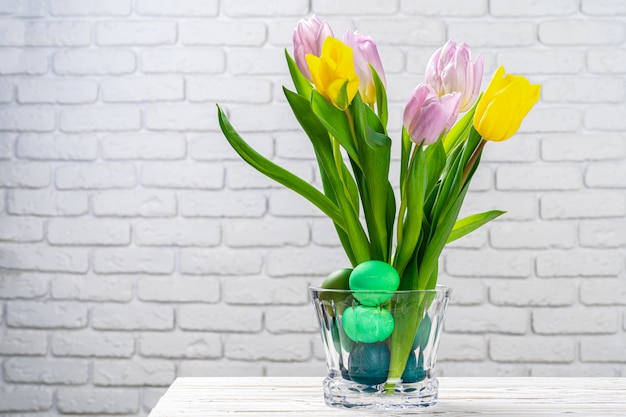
(88, 232)
(606, 60)
(222, 204)
(23, 342)
(462, 348)
(179, 289)
(465, 291)
(578, 263)
(24, 175)
(99, 118)
(214, 147)
(61, 33)
(142, 203)
(257, 61)
(525, 148)
(182, 117)
(7, 145)
(255, 118)
(12, 33)
(553, 119)
(92, 288)
(194, 175)
(488, 264)
(183, 60)
(538, 293)
(47, 202)
(605, 118)
(602, 234)
(243, 176)
(539, 349)
(583, 90)
(486, 319)
(304, 262)
(148, 32)
(96, 176)
(229, 89)
(606, 175)
(46, 371)
(94, 62)
(327, 7)
(287, 203)
(16, 229)
(133, 260)
(509, 8)
(192, 8)
(147, 146)
(268, 347)
(575, 320)
(603, 291)
(21, 285)
(133, 317)
(31, 8)
(323, 233)
(177, 233)
(603, 349)
(133, 373)
(90, 7)
(538, 177)
(414, 32)
(246, 9)
(186, 345)
(6, 91)
(40, 258)
(27, 119)
(57, 147)
(270, 232)
(493, 34)
(603, 7)
(583, 204)
(227, 33)
(13, 62)
(220, 262)
(151, 396)
(144, 88)
(220, 318)
(220, 368)
(98, 400)
(549, 61)
(578, 147)
(291, 320)
(574, 32)
(46, 315)
(535, 235)
(89, 343)
(25, 398)
(444, 7)
(265, 291)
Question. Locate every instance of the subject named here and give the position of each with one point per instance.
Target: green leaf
(303, 86)
(381, 98)
(460, 129)
(435, 156)
(468, 224)
(278, 173)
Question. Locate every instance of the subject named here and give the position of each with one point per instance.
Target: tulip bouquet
(341, 103)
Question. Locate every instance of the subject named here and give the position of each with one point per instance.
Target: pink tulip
(308, 38)
(451, 70)
(365, 54)
(427, 116)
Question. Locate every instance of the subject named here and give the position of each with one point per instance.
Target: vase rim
(438, 289)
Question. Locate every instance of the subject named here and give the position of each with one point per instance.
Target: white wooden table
(458, 397)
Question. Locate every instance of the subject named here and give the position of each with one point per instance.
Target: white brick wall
(135, 246)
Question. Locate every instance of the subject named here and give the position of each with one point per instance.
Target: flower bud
(308, 38)
(427, 116)
(365, 54)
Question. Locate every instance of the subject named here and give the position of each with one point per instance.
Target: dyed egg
(371, 276)
(423, 333)
(367, 324)
(369, 363)
(337, 280)
(414, 370)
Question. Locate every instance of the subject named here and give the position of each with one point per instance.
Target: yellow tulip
(503, 106)
(333, 72)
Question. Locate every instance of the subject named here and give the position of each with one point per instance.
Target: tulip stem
(473, 159)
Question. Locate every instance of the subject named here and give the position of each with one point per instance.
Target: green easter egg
(337, 280)
(371, 276)
(367, 324)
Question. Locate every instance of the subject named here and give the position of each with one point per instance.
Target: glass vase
(381, 347)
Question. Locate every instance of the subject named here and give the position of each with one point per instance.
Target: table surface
(458, 397)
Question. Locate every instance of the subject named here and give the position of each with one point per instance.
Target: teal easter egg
(414, 370)
(423, 333)
(372, 276)
(367, 324)
(369, 363)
